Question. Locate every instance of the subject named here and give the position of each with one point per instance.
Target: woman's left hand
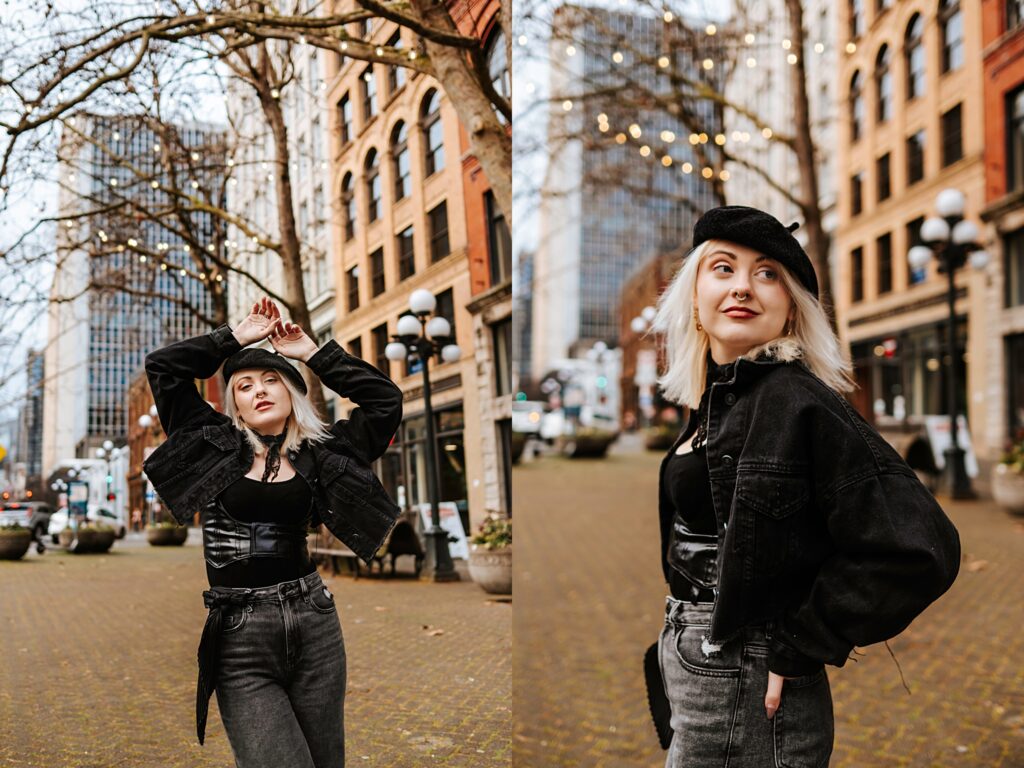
(773, 698)
(291, 341)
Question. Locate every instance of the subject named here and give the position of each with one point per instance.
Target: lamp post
(953, 240)
(640, 325)
(108, 453)
(422, 336)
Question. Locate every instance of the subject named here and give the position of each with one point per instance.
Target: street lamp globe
(395, 351)
(107, 445)
(438, 328)
(979, 259)
(919, 256)
(638, 325)
(600, 346)
(422, 301)
(950, 203)
(100, 453)
(648, 314)
(934, 230)
(145, 421)
(450, 353)
(408, 325)
(964, 232)
(152, 411)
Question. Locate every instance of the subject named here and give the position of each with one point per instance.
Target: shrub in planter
(660, 438)
(92, 537)
(490, 555)
(166, 534)
(1008, 478)
(587, 443)
(14, 541)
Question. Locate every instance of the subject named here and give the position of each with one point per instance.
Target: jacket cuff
(225, 340)
(785, 661)
(323, 356)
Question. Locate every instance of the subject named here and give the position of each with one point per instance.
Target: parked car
(34, 515)
(59, 521)
(527, 416)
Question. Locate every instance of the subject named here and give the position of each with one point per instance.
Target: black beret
(760, 231)
(255, 357)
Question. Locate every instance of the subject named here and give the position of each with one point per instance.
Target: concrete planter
(162, 536)
(587, 445)
(491, 569)
(14, 544)
(87, 540)
(1008, 489)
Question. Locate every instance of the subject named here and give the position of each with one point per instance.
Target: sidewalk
(98, 665)
(590, 599)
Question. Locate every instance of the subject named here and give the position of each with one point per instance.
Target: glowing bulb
(570, 50)
(766, 132)
(668, 137)
(720, 139)
(791, 58)
(617, 57)
(819, 47)
(666, 161)
(751, 62)
(687, 168)
(620, 138)
(851, 47)
(663, 61)
(724, 175)
(708, 64)
(787, 44)
(634, 131)
(707, 173)
(645, 151)
(749, 38)
(711, 29)
(668, 17)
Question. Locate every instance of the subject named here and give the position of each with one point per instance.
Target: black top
(252, 501)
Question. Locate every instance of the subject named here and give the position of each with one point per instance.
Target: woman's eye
(771, 274)
(720, 264)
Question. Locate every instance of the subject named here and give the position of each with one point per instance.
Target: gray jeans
(717, 699)
(281, 683)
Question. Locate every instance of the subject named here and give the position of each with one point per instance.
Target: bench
(401, 541)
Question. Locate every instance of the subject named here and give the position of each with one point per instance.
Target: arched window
(400, 161)
(913, 53)
(856, 106)
(372, 175)
(951, 29)
(883, 86)
(348, 205)
(433, 133)
(497, 65)
(856, 18)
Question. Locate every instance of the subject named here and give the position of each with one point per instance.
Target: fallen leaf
(977, 565)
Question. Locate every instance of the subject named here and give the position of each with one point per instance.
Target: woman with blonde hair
(791, 531)
(262, 474)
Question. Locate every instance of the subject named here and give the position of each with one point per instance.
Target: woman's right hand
(259, 324)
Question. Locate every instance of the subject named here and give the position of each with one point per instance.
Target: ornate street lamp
(954, 241)
(422, 336)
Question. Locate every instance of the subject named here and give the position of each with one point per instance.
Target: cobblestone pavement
(590, 599)
(98, 665)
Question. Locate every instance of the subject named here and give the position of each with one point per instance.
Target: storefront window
(1015, 377)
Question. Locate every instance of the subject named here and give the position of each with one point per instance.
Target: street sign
(451, 523)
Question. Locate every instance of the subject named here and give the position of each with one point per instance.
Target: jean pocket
(322, 600)
(698, 656)
(234, 619)
(804, 726)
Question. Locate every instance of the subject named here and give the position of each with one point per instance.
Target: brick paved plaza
(98, 665)
(590, 597)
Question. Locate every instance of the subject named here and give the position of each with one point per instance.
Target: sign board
(937, 428)
(646, 368)
(452, 524)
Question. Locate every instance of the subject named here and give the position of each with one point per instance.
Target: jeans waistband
(683, 612)
(273, 593)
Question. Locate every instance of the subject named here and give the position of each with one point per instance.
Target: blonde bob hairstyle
(302, 425)
(812, 340)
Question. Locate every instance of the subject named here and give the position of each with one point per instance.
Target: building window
(380, 341)
(348, 205)
(345, 119)
(856, 106)
(438, 221)
(355, 347)
(952, 137)
(369, 85)
(914, 57)
(915, 158)
(396, 75)
(446, 308)
(914, 238)
(1015, 140)
(497, 66)
(499, 241)
(1014, 14)
(433, 132)
(856, 18)
(400, 161)
(856, 275)
(406, 254)
(856, 193)
(377, 272)
(373, 185)
(883, 177)
(1013, 268)
(883, 86)
(352, 282)
(883, 251)
(502, 333)
(951, 29)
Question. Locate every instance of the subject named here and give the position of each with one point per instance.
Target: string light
(851, 47)
(210, 248)
(302, 39)
(766, 132)
(707, 173)
(711, 29)
(274, 93)
(522, 40)
(231, 163)
(645, 151)
(791, 58)
(720, 139)
(379, 51)
(186, 247)
(412, 55)
(154, 184)
(708, 64)
(749, 38)
(724, 175)
(634, 131)
(195, 184)
(687, 168)
(663, 61)
(703, 138)
(666, 161)
(617, 57)
(668, 17)
(142, 258)
(113, 182)
(694, 139)
(787, 44)
(156, 147)
(819, 47)
(751, 62)
(344, 45)
(620, 138)
(570, 50)
(567, 105)
(210, 20)
(163, 267)
(668, 137)
(117, 136)
(182, 272)
(132, 242)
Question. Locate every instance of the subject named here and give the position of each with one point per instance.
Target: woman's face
(740, 299)
(262, 400)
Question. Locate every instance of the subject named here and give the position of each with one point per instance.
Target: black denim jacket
(825, 533)
(204, 452)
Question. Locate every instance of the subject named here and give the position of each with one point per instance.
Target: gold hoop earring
(696, 320)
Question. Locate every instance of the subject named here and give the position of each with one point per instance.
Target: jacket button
(727, 460)
(730, 399)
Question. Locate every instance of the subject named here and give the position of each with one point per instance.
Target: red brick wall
(1004, 70)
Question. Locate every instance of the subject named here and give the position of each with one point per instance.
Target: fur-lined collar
(784, 349)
